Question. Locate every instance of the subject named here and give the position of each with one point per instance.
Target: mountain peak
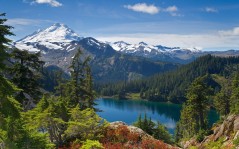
(143, 43)
(57, 32)
(58, 24)
(121, 42)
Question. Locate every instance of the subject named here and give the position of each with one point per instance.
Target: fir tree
(13, 133)
(25, 75)
(194, 113)
(234, 100)
(4, 31)
(81, 84)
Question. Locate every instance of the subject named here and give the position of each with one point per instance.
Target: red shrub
(153, 144)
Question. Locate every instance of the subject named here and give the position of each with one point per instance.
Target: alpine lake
(128, 111)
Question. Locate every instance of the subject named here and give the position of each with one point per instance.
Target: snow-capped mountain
(61, 37)
(58, 37)
(157, 52)
(144, 47)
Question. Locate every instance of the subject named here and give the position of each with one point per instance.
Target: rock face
(132, 129)
(226, 132)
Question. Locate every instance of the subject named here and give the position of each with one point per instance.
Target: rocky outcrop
(132, 129)
(225, 133)
(142, 135)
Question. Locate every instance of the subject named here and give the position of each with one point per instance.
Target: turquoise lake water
(129, 110)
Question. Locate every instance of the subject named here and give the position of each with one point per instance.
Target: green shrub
(236, 141)
(215, 144)
(92, 144)
(193, 147)
(200, 136)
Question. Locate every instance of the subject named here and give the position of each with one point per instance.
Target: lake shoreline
(117, 98)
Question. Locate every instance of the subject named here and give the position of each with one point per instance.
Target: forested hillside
(171, 86)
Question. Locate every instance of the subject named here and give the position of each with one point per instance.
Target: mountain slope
(56, 37)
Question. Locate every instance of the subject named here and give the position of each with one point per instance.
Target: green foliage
(84, 124)
(193, 119)
(193, 147)
(92, 144)
(146, 124)
(4, 31)
(161, 133)
(222, 102)
(171, 86)
(158, 130)
(25, 75)
(13, 133)
(236, 141)
(79, 90)
(201, 135)
(215, 144)
(234, 100)
(50, 115)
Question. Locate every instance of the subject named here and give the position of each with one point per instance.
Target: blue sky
(206, 24)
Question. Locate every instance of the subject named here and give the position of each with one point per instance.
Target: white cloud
(20, 21)
(211, 10)
(143, 7)
(25, 22)
(53, 3)
(171, 9)
(232, 32)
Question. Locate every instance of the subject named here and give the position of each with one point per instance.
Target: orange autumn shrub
(121, 134)
(122, 138)
(153, 144)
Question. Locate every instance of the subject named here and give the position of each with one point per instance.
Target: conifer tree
(25, 74)
(4, 31)
(222, 101)
(13, 133)
(194, 113)
(81, 84)
(234, 100)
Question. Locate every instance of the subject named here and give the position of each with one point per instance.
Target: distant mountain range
(162, 53)
(110, 61)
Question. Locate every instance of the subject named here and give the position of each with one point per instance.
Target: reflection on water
(129, 110)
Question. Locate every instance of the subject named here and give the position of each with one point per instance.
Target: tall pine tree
(25, 74)
(194, 113)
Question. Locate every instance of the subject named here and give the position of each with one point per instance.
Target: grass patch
(133, 96)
